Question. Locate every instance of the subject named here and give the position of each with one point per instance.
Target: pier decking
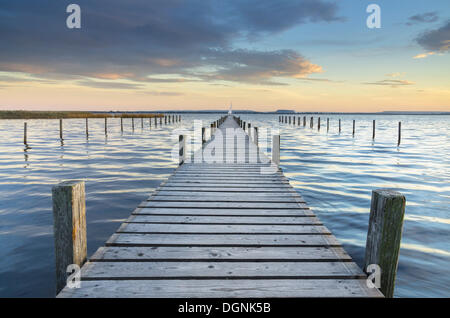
(223, 230)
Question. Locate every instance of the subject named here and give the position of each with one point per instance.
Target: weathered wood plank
(223, 198)
(226, 193)
(218, 205)
(232, 288)
(225, 270)
(222, 229)
(232, 219)
(221, 240)
(302, 210)
(200, 253)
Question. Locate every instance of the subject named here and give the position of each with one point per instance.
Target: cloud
(423, 55)
(162, 93)
(437, 40)
(396, 74)
(427, 17)
(391, 82)
(108, 85)
(193, 40)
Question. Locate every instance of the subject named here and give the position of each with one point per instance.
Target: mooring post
(132, 123)
(276, 149)
(318, 123)
(142, 123)
(255, 138)
(339, 125)
(25, 133)
(328, 124)
(399, 133)
(353, 134)
(69, 216)
(384, 236)
(298, 120)
(165, 120)
(182, 147)
(60, 129)
(156, 122)
(289, 120)
(121, 124)
(304, 121)
(87, 127)
(203, 135)
(311, 124)
(160, 121)
(106, 126)
(150, 122)
(373, 129)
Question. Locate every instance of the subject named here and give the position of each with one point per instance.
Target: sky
(262, 55)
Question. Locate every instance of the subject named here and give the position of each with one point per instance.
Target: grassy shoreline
(22, 114)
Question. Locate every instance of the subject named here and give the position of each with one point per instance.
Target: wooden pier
(223, 230)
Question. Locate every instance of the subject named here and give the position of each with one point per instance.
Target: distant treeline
(22, 114)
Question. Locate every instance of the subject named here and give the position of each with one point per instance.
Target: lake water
(335, 173)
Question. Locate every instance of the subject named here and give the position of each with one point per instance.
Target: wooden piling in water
(318, 123)
(156, 122)
(353, 134)
(165, 120)
(25, 133)
(87, 127)
(339, 125)
(256, 138)
(182, 148)
(69, 216)
(290, 120)
(60, 129)
(203, 135)
(106, 126)
(142, 122)
(311, 123)
(121, 124)
(304, 121)
(276, 149)
(132, 123)
(160, 121)
(399, 133)
(373, 129)
(384, 236)
(328, 124)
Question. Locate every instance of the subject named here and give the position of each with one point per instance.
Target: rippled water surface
(334, 172)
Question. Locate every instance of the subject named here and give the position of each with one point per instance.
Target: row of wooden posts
(168, 119)
(291, 119)
(382, 246)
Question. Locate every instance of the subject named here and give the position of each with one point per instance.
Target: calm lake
(335, 173)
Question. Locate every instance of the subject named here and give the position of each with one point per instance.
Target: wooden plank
(219, 205)
(220, 240)
(230, 288)
(277, 186)
(200, 189)
(225, 270)
(201, 253)
(232, 219)
(223, 198)
(301, 211)
(222, 229)
(224, 192)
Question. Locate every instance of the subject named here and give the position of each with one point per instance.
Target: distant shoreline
(20, 114)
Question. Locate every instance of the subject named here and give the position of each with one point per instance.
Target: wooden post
(150, 123)
(156, 122)
(121, 124)
(373, 129)
(106, 126)
(142, 122)
(165, 120)
(318, 123)
(60, 129)
(87, 127)
(328, 124)
(182, 147)
(132, 123)
(255, 138)
(304, 121)
(384, 235)
(203, 135)
(353, 128)
(25, 133)
(399, 133)
(298, 120)
(289, 120)
(276, 149)
(339, 125)
(311, 124)
(69, 216)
